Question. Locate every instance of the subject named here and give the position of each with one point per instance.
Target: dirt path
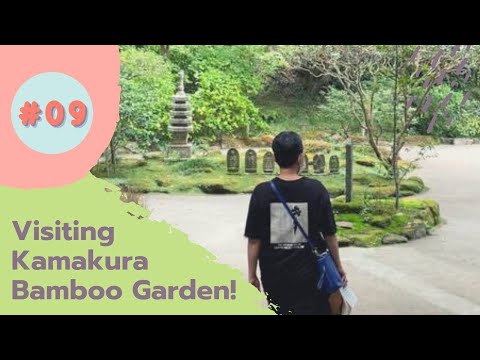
(436, 275)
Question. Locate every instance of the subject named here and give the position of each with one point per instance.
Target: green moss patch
(314, 146)
(371, 212)
(342, 207)
(370, 179)
(380, 221)
(367, 163)
(374, 219)
(413, 184)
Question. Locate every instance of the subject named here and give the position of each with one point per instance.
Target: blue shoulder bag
(330, 280)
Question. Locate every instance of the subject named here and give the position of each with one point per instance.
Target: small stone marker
(233, 161)
(319, 164)
(268, 163)
(334, 164)
(251, 162)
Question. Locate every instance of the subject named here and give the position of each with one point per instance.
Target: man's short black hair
(287, 146)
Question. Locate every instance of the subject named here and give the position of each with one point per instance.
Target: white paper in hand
(349, 300)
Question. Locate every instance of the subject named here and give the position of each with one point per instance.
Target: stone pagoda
(180, 124)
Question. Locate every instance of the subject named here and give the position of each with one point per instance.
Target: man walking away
(288, 267)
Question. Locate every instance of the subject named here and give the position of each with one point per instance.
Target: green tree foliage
(336, 64)
(250, 65)
(469, 125)
(221, 108)
(223, 81)
(348, 115)
(352, 84)
(341, 111)
(441, 128)
(148, 85)
(465, 120)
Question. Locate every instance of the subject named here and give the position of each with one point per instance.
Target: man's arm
(332, 244)
(253, 255)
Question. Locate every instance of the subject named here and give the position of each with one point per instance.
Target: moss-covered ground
(371, 212)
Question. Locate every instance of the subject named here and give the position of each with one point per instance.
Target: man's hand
(253, 255)
(255, 282)
(332, 243)
(343, 275)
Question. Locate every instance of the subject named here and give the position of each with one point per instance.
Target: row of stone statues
(319, 163)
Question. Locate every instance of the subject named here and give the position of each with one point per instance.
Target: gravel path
(436, 275)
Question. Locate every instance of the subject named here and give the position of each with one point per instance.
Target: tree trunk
(106, 159)
(371, 137)
(395, 147)
(113, 158)
(349, 172)
(246, 131)
(165, 50)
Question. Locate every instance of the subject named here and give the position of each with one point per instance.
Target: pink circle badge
(43, 143)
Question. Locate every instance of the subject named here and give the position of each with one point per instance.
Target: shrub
(339, 205)
(314, 146)
(267, 139)
(221, 108)
(255, 142)
(214, 188)
(373, 238)
(372, 180)
(465, 120)
(468, 126)
(412, 184)
(195, 166)
(147, 87)
(379, 207)
(382, 192)
(366, 162)
(421, 204)
(381, 221)
(336, 190)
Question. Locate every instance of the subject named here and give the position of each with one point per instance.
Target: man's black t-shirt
(287, 265)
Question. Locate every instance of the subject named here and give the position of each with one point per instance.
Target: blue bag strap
(294, 218)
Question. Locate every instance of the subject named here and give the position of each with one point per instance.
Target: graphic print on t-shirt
(284, 234)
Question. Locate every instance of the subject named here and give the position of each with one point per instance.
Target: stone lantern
(180, 124)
